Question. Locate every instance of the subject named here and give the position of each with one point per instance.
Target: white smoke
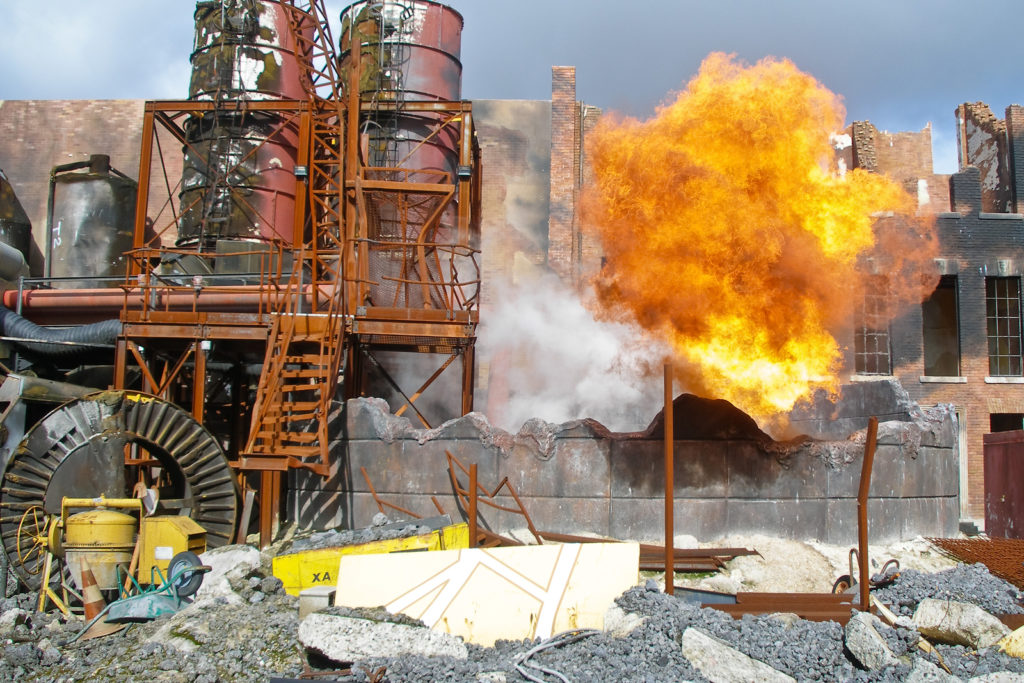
(547, 357)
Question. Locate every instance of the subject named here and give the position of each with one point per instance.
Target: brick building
(962, 346)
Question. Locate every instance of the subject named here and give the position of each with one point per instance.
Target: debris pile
(244, 627)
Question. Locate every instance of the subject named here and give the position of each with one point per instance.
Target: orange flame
(726, 232)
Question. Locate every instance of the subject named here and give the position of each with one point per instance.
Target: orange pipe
(108, 302)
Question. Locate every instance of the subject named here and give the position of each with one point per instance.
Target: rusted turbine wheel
(79, 450)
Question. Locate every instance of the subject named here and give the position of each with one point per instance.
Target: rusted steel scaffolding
(273, 269)
(277, 339)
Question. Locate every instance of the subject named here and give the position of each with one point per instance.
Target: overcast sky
(898, 63)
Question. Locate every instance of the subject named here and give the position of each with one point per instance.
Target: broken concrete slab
(958, 623)
(498, 593)
(867, 646)
(721, 663)
(348, 639)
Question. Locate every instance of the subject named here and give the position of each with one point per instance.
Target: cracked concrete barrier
(349, 639)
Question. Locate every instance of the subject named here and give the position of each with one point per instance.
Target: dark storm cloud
(899, 64)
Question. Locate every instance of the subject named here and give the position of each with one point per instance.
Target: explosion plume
(727, 233)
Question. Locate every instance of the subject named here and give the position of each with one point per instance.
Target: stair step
(277, 418)
(297, 451)
(316, 371)
(293, 388)
(296, 437)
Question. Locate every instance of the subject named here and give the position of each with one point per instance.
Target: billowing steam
(551, 359)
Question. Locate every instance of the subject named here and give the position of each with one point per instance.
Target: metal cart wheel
(33, 531)
(186, 583)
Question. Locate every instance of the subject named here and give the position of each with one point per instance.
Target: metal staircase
(305, 350)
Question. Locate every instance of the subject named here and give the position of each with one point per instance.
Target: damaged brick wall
(579, 478)
(905, 156)
(983, 143)
(974, 244)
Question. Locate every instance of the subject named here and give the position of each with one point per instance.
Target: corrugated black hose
(57, 343)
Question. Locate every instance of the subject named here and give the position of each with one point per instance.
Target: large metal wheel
(79, 450)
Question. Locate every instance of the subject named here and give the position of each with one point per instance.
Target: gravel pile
(964, 583)
(381, 529)
(251, 635)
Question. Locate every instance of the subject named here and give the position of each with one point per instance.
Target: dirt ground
(802, 566)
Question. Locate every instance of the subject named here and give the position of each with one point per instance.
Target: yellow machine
(114, 544)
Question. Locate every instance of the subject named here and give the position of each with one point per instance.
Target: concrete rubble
(865, 644)
(958, 623)
(243, 627)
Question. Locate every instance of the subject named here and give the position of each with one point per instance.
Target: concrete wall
(579, 478)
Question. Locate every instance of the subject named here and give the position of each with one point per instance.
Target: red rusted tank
(243, 51)
(410, 52)
(238, 181)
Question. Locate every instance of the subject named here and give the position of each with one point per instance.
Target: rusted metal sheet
(1004, 484)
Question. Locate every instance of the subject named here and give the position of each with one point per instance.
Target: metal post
(670, 551)
(199, 382)
(472, 506)
(862, 512)
(270, 485)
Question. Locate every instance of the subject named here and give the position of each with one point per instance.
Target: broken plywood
(497, 593)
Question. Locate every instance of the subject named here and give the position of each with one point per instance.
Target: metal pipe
(108, 302)
(472, 506)
(862, 512)
(670, 564)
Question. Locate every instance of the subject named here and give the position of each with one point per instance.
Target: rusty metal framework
(372, 259)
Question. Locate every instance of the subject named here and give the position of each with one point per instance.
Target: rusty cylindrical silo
(410, 52)
(90, 222)
(238, 181)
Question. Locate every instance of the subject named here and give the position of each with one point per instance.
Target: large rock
(10, 619)
(863, 641)
(348, 639)
(924, 671)
(230, 563)
(721, 663)
(619, 623)
(958, 623)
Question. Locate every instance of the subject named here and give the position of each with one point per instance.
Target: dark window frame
(872, 343)
(933, 314)
(1003, 326)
